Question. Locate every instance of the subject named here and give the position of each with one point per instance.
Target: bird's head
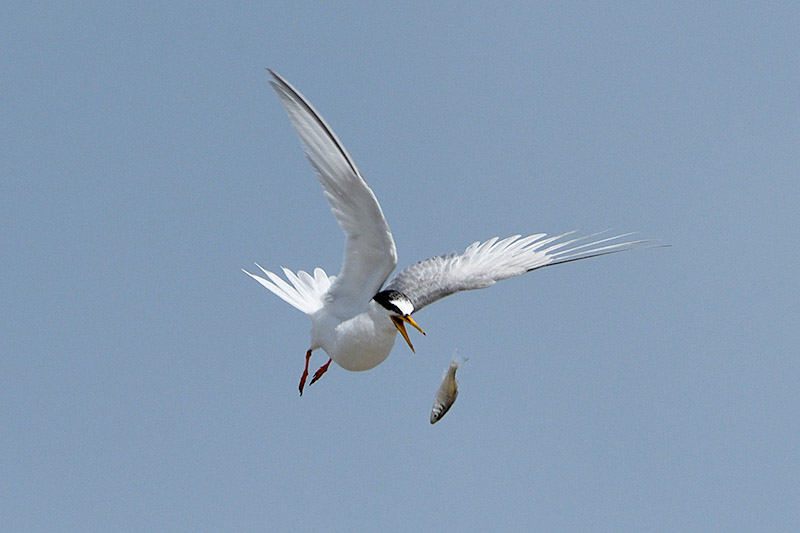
(400, 308)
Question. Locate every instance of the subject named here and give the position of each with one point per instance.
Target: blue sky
(147, 383)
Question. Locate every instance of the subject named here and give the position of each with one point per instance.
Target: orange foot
(318, 373)
(305, 373)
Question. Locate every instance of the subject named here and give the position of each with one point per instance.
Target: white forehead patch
(404, 305)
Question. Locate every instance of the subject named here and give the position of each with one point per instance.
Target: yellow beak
(399, 323)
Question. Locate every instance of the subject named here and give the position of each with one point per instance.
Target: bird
(355, 318)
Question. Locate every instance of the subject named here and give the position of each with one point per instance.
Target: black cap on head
(395, 302)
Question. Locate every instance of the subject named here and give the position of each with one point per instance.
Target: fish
(448, 390)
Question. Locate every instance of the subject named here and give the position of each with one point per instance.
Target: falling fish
(448, 391)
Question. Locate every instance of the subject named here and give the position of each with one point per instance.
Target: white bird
(354, 318)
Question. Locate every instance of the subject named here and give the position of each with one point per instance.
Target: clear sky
(146, 383)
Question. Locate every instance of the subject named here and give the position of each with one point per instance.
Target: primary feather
(483, 264)
(370, 254)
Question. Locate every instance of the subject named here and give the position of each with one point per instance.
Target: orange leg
(318, 373)
(305, 373)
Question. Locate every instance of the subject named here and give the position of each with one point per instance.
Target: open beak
(400, 324)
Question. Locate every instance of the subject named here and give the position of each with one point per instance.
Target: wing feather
(483, 264)
(370, 254)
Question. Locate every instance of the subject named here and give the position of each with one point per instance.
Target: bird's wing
(482, 264)
(369, 254)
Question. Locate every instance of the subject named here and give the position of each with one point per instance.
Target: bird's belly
(359, 343)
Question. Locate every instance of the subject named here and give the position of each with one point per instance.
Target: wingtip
(277, 78)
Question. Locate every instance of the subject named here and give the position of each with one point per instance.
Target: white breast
(358, 343)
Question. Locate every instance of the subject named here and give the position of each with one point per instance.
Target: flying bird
(354, 317)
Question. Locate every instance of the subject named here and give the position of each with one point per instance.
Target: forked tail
(305, 292)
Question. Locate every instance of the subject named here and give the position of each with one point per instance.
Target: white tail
(305, 292)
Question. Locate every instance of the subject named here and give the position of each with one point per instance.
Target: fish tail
(457, 359)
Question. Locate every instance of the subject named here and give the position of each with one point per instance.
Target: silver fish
(447, 393)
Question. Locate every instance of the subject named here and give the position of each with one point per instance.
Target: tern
(354, 317)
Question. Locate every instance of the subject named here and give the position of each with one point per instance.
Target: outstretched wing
(483, 264)
(369, 254)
